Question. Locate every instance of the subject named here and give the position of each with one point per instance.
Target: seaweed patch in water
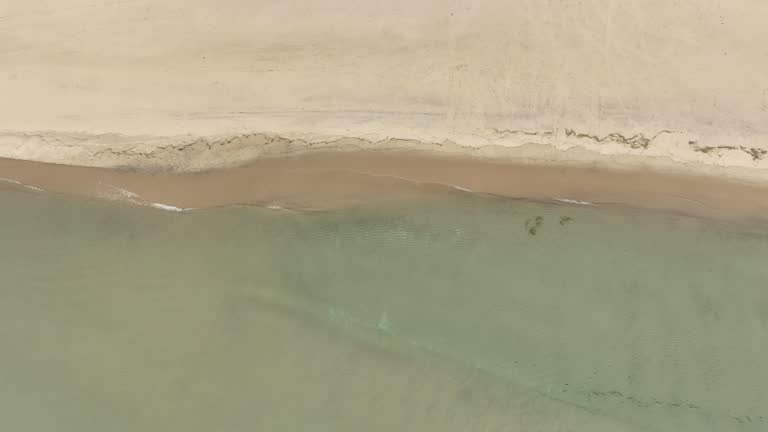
(533, 224)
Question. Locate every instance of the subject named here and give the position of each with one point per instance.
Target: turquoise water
(387, 317)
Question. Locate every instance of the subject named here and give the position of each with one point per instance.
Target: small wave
(126, 193)
(12, 181)
(119, 194)
(461, 188)
(406, 179)
(18, 183)
(122, 193)
(572, 201)
(167, 207)
(134, 198)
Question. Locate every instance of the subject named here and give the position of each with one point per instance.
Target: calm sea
(456, 312)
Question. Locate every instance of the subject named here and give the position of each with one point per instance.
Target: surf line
(18, 183)
(134, 198)
(408, 180)
(573, 201)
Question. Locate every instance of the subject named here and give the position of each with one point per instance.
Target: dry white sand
(197, 84)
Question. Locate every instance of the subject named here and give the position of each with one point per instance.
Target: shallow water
(459, 312)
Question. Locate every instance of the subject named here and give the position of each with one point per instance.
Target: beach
(348, 215)
(662, 106)
(198, 85)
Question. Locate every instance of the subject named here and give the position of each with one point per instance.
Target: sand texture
(197, 84)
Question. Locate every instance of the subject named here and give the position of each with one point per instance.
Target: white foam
(18, 183)
(571, 201)
(123, 192)
(461, 188)
(274, 207)
(167, 207)
(7, 180)
(128, 194)
(34, 188)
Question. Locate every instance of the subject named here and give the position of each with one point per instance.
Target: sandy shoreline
(196, 85)
(327, 180)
